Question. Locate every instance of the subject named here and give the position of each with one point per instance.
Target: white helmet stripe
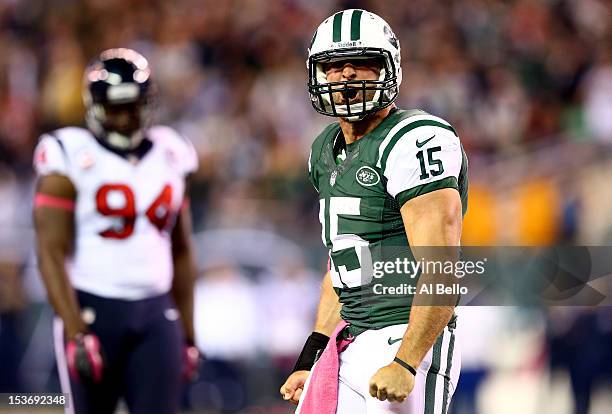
(346, 26)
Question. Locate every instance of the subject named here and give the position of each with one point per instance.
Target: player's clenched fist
(293, 387)
(392, 383)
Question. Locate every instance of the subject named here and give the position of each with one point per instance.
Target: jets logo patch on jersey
(367, 176)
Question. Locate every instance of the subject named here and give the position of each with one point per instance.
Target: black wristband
(314, 346)
(405, 365)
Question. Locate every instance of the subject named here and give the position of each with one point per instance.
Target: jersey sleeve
(424, 158)
(50, 157)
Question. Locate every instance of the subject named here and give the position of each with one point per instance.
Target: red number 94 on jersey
(158, 213)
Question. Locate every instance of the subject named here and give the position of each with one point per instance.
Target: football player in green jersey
(389, 180)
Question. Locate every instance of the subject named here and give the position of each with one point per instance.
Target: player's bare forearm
(328, 312)
(430, 220)
(184, 271)
(54, 241)
(425, 325)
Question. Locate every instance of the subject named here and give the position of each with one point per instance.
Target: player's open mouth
(351, 95)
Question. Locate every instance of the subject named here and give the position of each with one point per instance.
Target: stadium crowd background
(526, 83)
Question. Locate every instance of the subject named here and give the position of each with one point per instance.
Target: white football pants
(435, 383)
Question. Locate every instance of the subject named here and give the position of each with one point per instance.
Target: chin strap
(123, 142)
(356, 118)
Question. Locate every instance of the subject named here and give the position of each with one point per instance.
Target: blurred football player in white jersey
(113, 238)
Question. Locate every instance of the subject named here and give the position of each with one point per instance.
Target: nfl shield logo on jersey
(367, 176)
(332, 178)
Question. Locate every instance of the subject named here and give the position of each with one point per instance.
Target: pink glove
(84, 357)
(191, 362)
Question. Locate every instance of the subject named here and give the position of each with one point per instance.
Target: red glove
(191, 362)
(84, 358)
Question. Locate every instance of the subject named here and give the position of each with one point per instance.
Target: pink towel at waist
(321, 393)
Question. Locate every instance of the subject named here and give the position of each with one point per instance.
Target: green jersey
(408, 154)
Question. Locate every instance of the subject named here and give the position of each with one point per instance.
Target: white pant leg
(436, 378)
(349, 400)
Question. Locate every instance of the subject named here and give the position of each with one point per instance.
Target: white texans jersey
(124, 211)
